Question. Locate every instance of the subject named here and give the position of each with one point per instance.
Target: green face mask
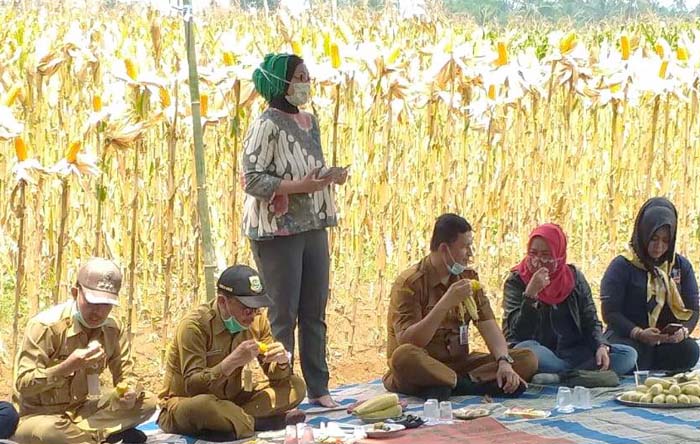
(232, 325)
(78, 317)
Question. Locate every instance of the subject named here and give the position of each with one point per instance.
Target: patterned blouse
(283, 146)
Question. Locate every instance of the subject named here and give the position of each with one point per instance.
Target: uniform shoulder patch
(54, 314)
(410, 275)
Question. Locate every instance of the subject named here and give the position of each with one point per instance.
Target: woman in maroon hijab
(549, 309)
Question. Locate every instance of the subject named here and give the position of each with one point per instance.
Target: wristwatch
(506, 358)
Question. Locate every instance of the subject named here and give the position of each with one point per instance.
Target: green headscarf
(269, 78)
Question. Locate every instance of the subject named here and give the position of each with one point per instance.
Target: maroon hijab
(561, 278)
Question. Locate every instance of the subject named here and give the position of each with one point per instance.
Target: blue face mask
(232, 324)
(456, 269)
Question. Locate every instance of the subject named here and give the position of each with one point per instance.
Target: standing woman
(288, 206)
(649, 288)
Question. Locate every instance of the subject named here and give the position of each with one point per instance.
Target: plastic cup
(431, 410)
(290, 435)
(565, 402)
(446, 410)
(640, 376)
(582, 398)
(307, 435)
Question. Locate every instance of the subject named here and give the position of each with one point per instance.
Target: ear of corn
(682, 54)
(164, 96)
(204, 104)
(73, 150)
(228, 58)
(492, 92)
(20, 149)
(296, 47)
(502, 54)
(377, 404)
(659, 49)
(568, 43)
(131, 69)
(121, 389)
(663, 68)
(96, 103)
(389, 412)
(12, 95)
(335, 56)
(625, 47)
(262, 347)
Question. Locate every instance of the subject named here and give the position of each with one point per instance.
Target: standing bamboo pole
(200, 167)
(19, 211)
(169, 231)
(58, 267)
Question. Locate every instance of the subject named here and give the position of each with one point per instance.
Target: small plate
(471, 413)
(393, 429)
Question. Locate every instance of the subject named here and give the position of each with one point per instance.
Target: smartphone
(670, 329)
(332, 171)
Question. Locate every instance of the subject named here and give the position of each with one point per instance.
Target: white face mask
(301, 95)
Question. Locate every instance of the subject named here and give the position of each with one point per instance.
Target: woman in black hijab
(649, 295)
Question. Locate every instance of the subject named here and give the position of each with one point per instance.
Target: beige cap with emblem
(100, 280)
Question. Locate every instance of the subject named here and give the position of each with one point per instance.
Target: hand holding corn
(273, 352)
(458, 293)
(125, 396)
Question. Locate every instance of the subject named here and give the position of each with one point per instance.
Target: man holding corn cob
(57, 370)
(208, 389)
(432, 304)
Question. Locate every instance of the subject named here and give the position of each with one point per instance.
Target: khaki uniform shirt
(201, 342)
(50, 337)
(414, 294)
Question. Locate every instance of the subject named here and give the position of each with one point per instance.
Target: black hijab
(656, 213)
(280, 102)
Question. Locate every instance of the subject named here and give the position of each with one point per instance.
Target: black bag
(590, 378)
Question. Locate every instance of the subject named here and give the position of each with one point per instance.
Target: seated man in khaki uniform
(65, 349)
(428, 351)
(208, 390)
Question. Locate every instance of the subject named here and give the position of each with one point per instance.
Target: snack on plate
(471, 413)
(527, 413)
(683, 388)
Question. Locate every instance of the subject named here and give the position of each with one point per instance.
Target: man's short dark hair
(447, 228)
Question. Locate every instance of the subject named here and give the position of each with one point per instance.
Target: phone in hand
(332, 171)
(671, 329)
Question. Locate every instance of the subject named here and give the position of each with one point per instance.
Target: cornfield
(509, 127)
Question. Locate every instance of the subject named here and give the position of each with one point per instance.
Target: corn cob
(73, 150)
(96, 103)
(131, 69)
(121, 389)
(335, 56)
(20, 149)
(390, 412)
(376, 404)
(625, 47)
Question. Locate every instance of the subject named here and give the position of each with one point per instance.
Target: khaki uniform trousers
(88, 424)
(206, 412)
(412, 369)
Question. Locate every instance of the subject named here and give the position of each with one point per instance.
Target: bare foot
(325, 401)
